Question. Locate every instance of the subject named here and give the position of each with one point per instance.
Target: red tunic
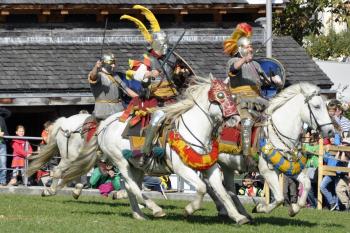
(21, 149)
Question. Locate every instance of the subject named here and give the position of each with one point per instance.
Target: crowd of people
(335, 189)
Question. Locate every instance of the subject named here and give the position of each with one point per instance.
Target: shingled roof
(131, 2)
(56, 61)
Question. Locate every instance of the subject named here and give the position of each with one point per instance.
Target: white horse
(66, 140)
(198, 130)
(297, 104)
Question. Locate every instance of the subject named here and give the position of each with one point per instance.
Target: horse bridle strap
(312, 115)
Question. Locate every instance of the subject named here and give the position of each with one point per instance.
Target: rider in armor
(156, 68)
(246, 78)
(105, 84)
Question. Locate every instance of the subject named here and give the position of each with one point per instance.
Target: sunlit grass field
(22, 213)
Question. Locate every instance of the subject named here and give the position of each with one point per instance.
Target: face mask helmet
(242, 44)
(108, 62)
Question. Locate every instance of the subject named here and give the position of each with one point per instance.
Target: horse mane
(193, 92)
(307, 89)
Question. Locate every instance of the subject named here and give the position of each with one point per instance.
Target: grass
(23, 213)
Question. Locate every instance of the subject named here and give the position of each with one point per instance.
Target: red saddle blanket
(232, 135)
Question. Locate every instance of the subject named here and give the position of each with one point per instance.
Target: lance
(263, 44)
(104, 36)
(166, 59)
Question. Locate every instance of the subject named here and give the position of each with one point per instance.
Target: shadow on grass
(92, 212)
(277, 221)
(83, 202)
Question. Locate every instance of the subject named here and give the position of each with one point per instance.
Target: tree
(300, 18)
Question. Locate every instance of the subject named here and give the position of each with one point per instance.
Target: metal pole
(269, 28)
(25, 138)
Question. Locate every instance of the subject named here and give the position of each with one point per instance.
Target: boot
(13, 182)
(150, 135)
(247, 125)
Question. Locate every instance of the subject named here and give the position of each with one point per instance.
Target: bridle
(312, 115)
(280, 135)
(213, 124)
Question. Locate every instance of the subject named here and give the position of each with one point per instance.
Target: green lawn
(96, 214)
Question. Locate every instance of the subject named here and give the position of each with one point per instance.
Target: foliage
(328, 46)
(300, 17)
(25, 213)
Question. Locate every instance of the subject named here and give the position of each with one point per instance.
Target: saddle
(230, 140)
(89, 128)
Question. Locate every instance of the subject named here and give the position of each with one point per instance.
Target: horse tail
(46, 152)
(88, 157)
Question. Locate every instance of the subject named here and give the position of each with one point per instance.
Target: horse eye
(220, 95)
(317, 106)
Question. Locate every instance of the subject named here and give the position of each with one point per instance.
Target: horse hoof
(243, 221)
(188, 211)
(291, 213)
(46, 193)
(75, 195)
(138, 217)
(159, 214)
(251, 220)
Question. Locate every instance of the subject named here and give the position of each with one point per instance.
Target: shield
(271, 67)
(182, 62)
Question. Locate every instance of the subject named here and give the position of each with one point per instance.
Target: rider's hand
(277, 80)
(1, 134)
(155, 73)
(248, 57)
(98, 64)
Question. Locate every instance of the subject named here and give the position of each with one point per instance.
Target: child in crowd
(248, 189)
(21, 150)
(106, 178)
(46, 132)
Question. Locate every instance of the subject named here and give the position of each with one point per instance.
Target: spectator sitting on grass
(106, 178)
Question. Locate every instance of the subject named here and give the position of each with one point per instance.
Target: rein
(312, 118)
(201, 146)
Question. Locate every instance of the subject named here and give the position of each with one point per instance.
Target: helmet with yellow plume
(157, 38)
(239, 39)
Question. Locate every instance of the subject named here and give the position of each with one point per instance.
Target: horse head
(314, 111)
(220, 94)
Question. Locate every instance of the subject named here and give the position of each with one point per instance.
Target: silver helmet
(108, 62)
(241, 44)
(160, 43)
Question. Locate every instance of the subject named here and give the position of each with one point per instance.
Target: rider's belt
(249, 91)
(108, 101)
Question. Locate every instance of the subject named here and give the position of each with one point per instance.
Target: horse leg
(296, 207)
(77, 190)
(138, 177)
(127, 172)
(55, 176)
(229, 185)
(271, 178)
(136, 211)
(214, 178)
(190, 176)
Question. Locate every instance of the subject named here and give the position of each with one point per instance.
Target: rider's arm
(93, 75)
(142, 74)
(235, 65)
(125, 88)
(139, 74)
